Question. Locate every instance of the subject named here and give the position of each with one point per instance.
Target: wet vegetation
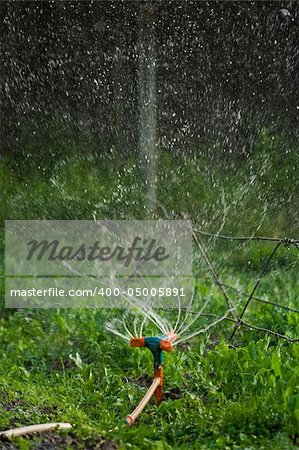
(62, 365)
(226, 158)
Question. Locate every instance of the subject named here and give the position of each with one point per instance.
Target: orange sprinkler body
(156, 345)
(137, 342)
(158, 373)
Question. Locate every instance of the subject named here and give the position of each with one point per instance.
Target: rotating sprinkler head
(156, 345)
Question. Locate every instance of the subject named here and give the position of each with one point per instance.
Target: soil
(51, 441)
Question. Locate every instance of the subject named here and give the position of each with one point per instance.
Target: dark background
(224, 70)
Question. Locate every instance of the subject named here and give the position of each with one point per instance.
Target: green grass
(60, 365)
(63, 366)
(60, 172)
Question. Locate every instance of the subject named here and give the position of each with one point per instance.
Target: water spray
(130, 328)
(156, 345)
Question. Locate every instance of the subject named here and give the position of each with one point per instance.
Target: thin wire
(254, 327)
(274, 333)
(261, 300)
(286, 241)
(216, 276)
(253, 290)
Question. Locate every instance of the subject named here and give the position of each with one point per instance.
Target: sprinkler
(156, 345)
